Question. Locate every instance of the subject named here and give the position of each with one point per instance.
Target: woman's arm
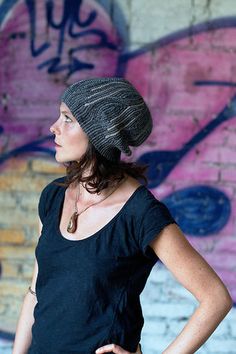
(23, 334)
(196, 275)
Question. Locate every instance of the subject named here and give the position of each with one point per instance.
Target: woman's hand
(114, 348)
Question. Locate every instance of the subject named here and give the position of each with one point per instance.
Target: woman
(102, 231)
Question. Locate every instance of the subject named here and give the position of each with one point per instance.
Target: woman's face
(70, 140)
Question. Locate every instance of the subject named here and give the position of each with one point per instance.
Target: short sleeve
(42, 205)
(47, 198)
(155, 218)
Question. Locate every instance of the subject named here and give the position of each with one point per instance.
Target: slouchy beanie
(111, 112)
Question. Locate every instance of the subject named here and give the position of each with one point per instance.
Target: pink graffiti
(164, 75)
(32, 97)
(180, 109)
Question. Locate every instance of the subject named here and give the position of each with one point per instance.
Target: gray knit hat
(111, 112)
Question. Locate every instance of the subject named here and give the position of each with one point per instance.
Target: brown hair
(104, 173)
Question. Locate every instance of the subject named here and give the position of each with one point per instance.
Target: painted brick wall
(181, 56)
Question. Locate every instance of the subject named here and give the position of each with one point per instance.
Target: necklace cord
(72, 225)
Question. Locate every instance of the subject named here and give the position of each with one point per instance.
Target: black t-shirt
(88, 290)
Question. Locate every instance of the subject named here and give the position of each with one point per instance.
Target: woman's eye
(68, 119)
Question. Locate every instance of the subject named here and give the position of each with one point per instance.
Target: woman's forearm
(23, 335)
(200, 326)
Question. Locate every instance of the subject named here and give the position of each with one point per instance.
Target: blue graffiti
(5, 7)
(161, 163)
(33, 146)
(214, 83)
(7, 335)
(70, 19)
(200, 210)
(126, 56)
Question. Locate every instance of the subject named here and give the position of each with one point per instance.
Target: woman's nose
(53, 129)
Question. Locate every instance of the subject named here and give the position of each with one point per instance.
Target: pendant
(72, 226)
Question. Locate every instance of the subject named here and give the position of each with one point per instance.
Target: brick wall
(181, 56)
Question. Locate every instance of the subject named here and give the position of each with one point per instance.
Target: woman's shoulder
(145, 200)
(126, 190)
(138, 195)
(53, 186)
(133, 185)
(48, 196)
(55, 182)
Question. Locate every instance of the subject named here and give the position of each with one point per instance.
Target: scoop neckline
(97, 233)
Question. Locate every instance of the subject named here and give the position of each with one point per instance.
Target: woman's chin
(61, 159)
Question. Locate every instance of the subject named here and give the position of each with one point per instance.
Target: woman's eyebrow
(65, 112)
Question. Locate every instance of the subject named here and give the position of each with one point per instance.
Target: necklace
(72, 225)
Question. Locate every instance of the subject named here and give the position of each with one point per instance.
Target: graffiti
(33, 146)
(67, 40)
(70, 17)
(202, 218)
(192, 149)
(192, 102)
(196, 221)
(162, 162)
